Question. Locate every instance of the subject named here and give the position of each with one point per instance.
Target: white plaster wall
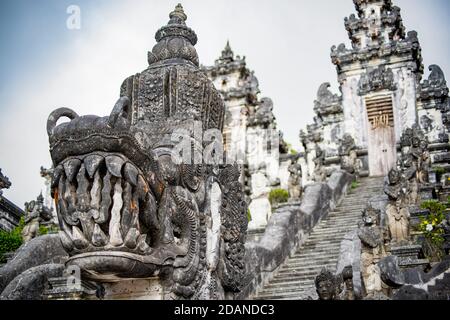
(329, 146)
(355, 114)
(404, 102)
(227, 82)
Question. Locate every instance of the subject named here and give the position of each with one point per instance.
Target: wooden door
(382, 144)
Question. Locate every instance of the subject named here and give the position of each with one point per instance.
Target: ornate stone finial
(175, 40)
(435, 87)
(178, 15)
(227, 53)
(436, 77)
(263, 115)
(360, 5)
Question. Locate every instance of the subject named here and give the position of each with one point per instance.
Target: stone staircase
(294, 280)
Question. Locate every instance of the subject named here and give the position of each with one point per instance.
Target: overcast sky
(44, 65)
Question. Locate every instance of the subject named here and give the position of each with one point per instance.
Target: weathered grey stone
(278, 240)
(30, 285)
(41, 250)
(288, 228)
(316, 203)
(390, 272)
(338, 183)
(410, 293)
(350, 255)
(9, 213)
(413, 282)
(128, 205)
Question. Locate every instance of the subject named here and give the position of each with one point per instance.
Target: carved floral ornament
(125, 208)
(377, 79)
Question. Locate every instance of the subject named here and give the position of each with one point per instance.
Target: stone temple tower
(381, 91)
(250, 133)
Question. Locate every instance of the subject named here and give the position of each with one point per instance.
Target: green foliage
(249, 215)
(11, 241)
(355, 184)
(439, 170)
(278, 196)
(43, 230)
(431, 226)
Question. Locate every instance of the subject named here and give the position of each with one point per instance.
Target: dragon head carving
(125, 208)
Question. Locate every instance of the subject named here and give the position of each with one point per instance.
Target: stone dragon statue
(126, 209)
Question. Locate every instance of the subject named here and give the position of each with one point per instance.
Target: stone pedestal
(65, 288)
(426, 192)
(415, 215)
(68, 288)
(136, 289)
(446, 245)
(444, 194)
(408, 256)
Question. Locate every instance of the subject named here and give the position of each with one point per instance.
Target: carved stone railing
(288, 228)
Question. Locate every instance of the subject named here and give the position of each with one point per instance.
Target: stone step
(363, 194)
(314, 247)
(344, 209)
(360, 204)
(341, 217)
(319, 245)
(292, 286)
(326, 244)
(318, 252)
(310, 261)
(338, 225)
(281, 291)
(336, 222)
(281, 281)
(306, 262)
(328, 236)
(305, 268)
(331, 241)
(301, 273)
(366, 192)
(281, 296)
(294, 280)
(340, 220)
